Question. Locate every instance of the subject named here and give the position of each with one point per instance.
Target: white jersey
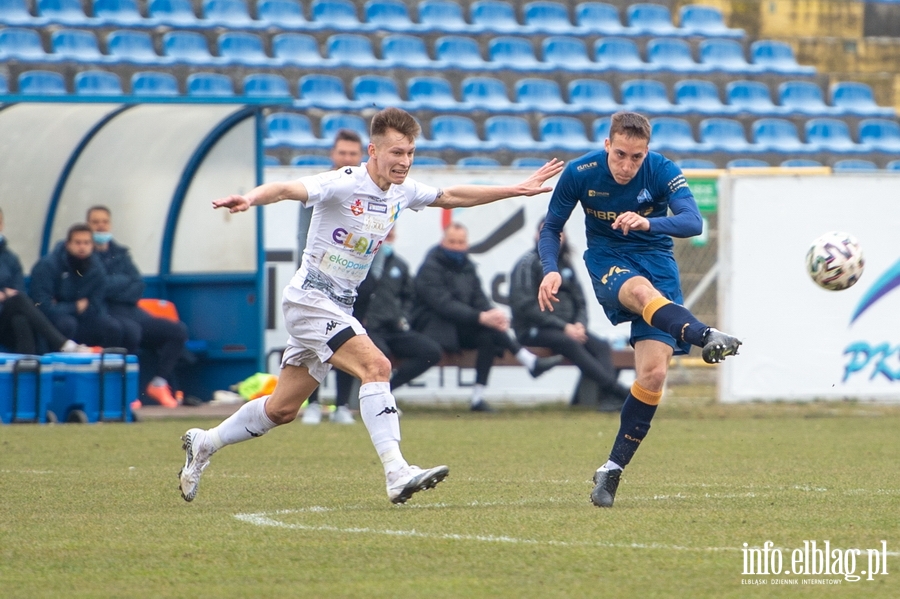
(351, 217)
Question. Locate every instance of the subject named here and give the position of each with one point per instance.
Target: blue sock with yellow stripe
(676, 320)
(637, 412)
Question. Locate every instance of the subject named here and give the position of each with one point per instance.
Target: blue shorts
(610, 268)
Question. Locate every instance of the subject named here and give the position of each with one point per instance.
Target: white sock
(379, 413)
(526, 358)
(477, 393)
(610, 465)
(248, 422)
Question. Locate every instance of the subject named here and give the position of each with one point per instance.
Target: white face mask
(102, 237)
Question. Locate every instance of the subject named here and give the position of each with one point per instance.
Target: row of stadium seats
(404, 51)
(487, 93)
(379, 15)
(562, 133)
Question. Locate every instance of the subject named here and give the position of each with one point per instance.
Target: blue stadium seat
(64, 12)
(547, 17)
(486, 93)
(459, 52)
(699, 95)
(290, 129)
(565, 52)
(149, 83)
(512, 132)
(881, 135)
(132, 47)
(778, 57)
(592, 95)
(599, 17)
(494, 15)
(803, 97)
(97, 83)
(564, 133)
(516, 53)
(232, 14)
(800, 163)
(705, 21)
(41, 83)
(854, 165)
(120, 13)
(268, 85)
(618, 54)
(77, 45)
(269, 160)
(175, 13)
(297, 49)
(405, 51)
(209, 85)
(335, 14)
(751, 96)
(333, 122)
(188, 47)
(312, 160)
(442, 15)
(650, 19)
(776, 135)
(4, 84)
(454, 132)
(723, 134)
(672, 134)
(600, 129)
(283, 14)
(477, 162)
(672, 54)
(375, 91)
(725, 55)
(540, 95)
(323, 91)
(528, 162)
(351, 50)
(429, 161)
(22, 44)
(696, 163)
(747, 163)
(893, 165)
(431, 93)
(850, 97)
(388, 15)
(646, 95)
(830, 135)
(15, 12)
(242, 48)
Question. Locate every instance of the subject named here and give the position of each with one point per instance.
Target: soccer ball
(835, 261)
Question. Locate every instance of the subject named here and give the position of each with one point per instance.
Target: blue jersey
(658, 186)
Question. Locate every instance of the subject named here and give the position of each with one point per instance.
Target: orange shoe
(163, 395)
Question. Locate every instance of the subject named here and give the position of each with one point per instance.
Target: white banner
(802, 342)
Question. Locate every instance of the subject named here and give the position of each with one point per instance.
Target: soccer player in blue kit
(626, 192)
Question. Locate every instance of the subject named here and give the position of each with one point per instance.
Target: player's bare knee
(282, 414)
(378, 369)
(653, 378)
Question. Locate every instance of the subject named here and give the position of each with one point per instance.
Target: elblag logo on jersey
(356, 243)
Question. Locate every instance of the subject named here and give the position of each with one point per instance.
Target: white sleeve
(320, 187)
(422, 195)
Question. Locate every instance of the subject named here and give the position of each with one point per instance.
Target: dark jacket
(124, 284)
(56, 286)
(523, 292)
(11, 275)
(384, 303)
(448, 295)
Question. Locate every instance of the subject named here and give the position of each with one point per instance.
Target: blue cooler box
(82, 393)
(26, 388)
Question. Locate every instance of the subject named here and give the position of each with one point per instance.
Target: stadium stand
(699, 97)
(599, 18)
(478, 162)
(4, 84)
(242, 48)
(64, 12)
(333, 122)
(120, 13)
(128, 46)
(335, 14)
(429, 161)
(540, 95)
(777, 56)
(76, 45)
(15, 12)
(493, 15)
(646, 95)
(188, 47)
(830, 135)
(98, 83)
(351, 49)
(725, 55)
(290, 129)
(298, 49)
(751, 96)
(893, 165)
(148, 83)
(453, 132)
(721, 134)
(563, 133)
(388, 15)
(459, 52)
(801, 163)
(857, 98)
(528, 162)
(431, 93)
(855, 165)
(619, 54)
(209, 85)
(405, 51)
(547, 17)
(442, 15)
(650, 19)
(173, 13)
(376, 91)
(672, 54)
(747, 163)
(311, 160)
(40, 82)
(804, 97)
(323, 91)
(695, 163)
(284, 14)
(566, 52)
(880, 135)
(672, 134)
(509, 132)
(515, 53)
(706, 21)
(592, 95)
(21, 44)
(266, 85)
(487, 93)
(776, 135)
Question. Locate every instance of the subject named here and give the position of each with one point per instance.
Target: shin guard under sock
(637, 412)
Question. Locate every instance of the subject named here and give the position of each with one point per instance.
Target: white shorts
(317, 327)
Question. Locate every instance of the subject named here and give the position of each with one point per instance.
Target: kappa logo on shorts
(615, 270)
(331, 326)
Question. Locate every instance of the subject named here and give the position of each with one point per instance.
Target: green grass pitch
(94, 510)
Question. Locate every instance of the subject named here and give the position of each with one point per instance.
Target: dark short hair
(629, 124)
(347, 135)
(397, 119)
(87, 214)
(77, 228)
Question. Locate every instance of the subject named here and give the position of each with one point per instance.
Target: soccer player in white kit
(353, 210)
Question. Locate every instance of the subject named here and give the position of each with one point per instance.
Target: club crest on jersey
(356, 207)
(644, 197)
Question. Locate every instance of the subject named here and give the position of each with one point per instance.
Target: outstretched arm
(463, 196)
(267, 193)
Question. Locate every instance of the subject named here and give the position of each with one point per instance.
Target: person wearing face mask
(68, 285)
(453, 309)
(124, 287)
(24, 329)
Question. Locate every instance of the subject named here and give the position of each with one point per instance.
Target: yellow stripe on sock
(654, 305)
(651, 398)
